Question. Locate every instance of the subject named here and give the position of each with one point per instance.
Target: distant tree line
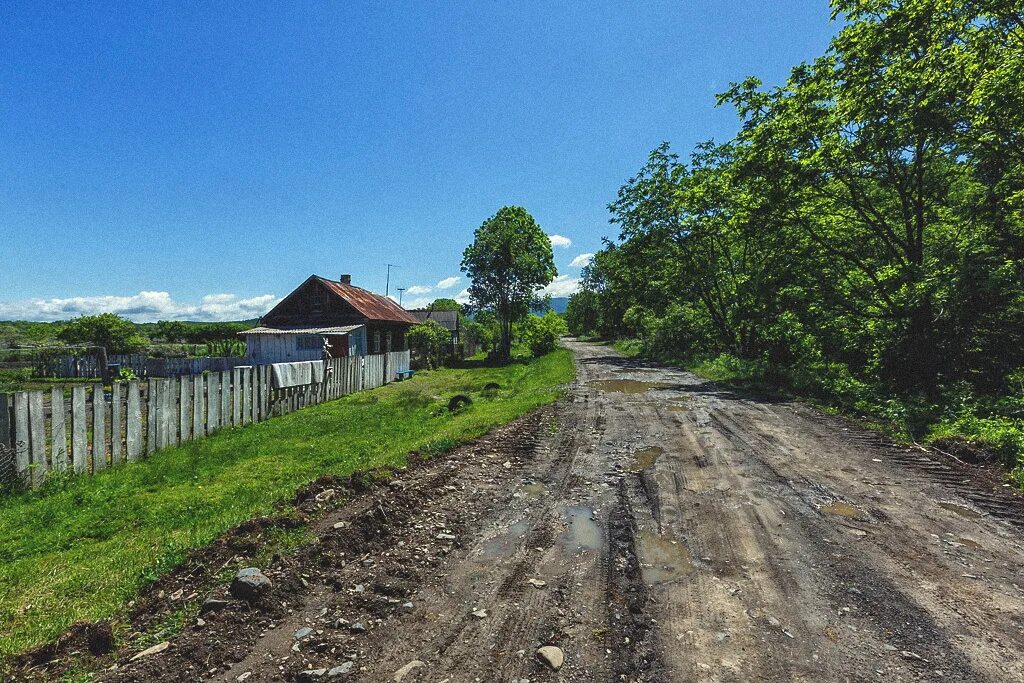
(861, 237)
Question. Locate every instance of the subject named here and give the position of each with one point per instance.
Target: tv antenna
(401, 291)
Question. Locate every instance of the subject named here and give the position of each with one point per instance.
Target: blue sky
(199, 160)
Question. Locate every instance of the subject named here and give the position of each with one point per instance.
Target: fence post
(236, 397)
(5, 421)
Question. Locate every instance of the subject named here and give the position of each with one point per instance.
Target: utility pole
(387, 286)
(401, 291)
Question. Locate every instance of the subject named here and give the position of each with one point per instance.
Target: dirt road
(654, 528)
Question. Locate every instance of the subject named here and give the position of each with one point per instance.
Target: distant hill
(559, 304)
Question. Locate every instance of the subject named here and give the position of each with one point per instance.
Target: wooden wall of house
(313, 305)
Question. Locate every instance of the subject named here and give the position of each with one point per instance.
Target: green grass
(81, 548)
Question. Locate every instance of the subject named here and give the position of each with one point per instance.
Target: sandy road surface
(681, 532)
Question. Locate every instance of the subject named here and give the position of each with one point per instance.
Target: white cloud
(581, 261)
(559, 241)
(418, 302)
(563, 285)
(418, 289)
(462, 297)
(448, 282)
(141, 307)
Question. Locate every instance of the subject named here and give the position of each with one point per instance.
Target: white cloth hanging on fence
(284, 375)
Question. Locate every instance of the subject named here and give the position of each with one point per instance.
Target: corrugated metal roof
(302, 330)
(448, 319)
(373, 306)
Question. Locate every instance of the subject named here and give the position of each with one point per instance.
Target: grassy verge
(81, 548)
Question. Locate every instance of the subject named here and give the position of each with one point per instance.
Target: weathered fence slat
(79, 430)
(225, 399)
(116, 420)
(198, 407)
(99, 421)
(152, 423)
(22, 459)
(185, 408)
(236, 397)
(246, 398)
(171, 412)
(37, 436)
(58, 431)
(133, 423)
(213, 402)
(5, 421)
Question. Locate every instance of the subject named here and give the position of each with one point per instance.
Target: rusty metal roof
(345, 329)
(373, 306)
(447, 319)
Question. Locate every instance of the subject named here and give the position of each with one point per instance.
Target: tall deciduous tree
(509, 260)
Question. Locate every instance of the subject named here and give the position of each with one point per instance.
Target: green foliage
(541, 332)
(171, 330)
(430, 342)
(225, 348)
(861, 238)
(509, 260)
(116, 334)
(445, 305)
(81, 547)
(583, 314)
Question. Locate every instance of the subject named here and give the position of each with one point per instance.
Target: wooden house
(446, 319)
(354, 321)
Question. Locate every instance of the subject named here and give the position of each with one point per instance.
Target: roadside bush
(429, 341)
(541, 333)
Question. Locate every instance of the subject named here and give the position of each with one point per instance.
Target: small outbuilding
(449, 320)
(351, 320)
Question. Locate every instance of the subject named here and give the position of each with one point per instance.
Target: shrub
(541, 333)
(430, 342)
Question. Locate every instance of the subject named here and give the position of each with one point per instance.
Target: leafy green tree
(114, 333)
(445, 305)
(509, 260)
(430, 341)
(541, 332)
(583, 313)
(171, 330)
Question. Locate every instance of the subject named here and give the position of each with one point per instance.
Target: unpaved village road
(682, 533)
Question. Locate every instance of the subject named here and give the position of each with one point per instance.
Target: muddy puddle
(534, 490)
(970, 543)
(627, 386)
(631, 370)
(645, 458)
(662, 558)
(506, 542)
(583, 532)
(679, 408)
(962, 510)
(841, 509)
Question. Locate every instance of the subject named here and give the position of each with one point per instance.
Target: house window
(306, 342)
(317, 300)
(376, 341)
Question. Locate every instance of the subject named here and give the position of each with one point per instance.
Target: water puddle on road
(842, 509)
(628, 370)
(662, 559)
(583, 532)
(627, 386)
(645, 458)
(679, 408)
(962, 510)
(505, 543)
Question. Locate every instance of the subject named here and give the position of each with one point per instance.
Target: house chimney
(345, 279)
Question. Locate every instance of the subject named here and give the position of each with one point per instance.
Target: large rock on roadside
(552, 656)
(250, 584)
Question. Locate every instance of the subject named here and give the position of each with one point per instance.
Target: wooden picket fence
(94, 429)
